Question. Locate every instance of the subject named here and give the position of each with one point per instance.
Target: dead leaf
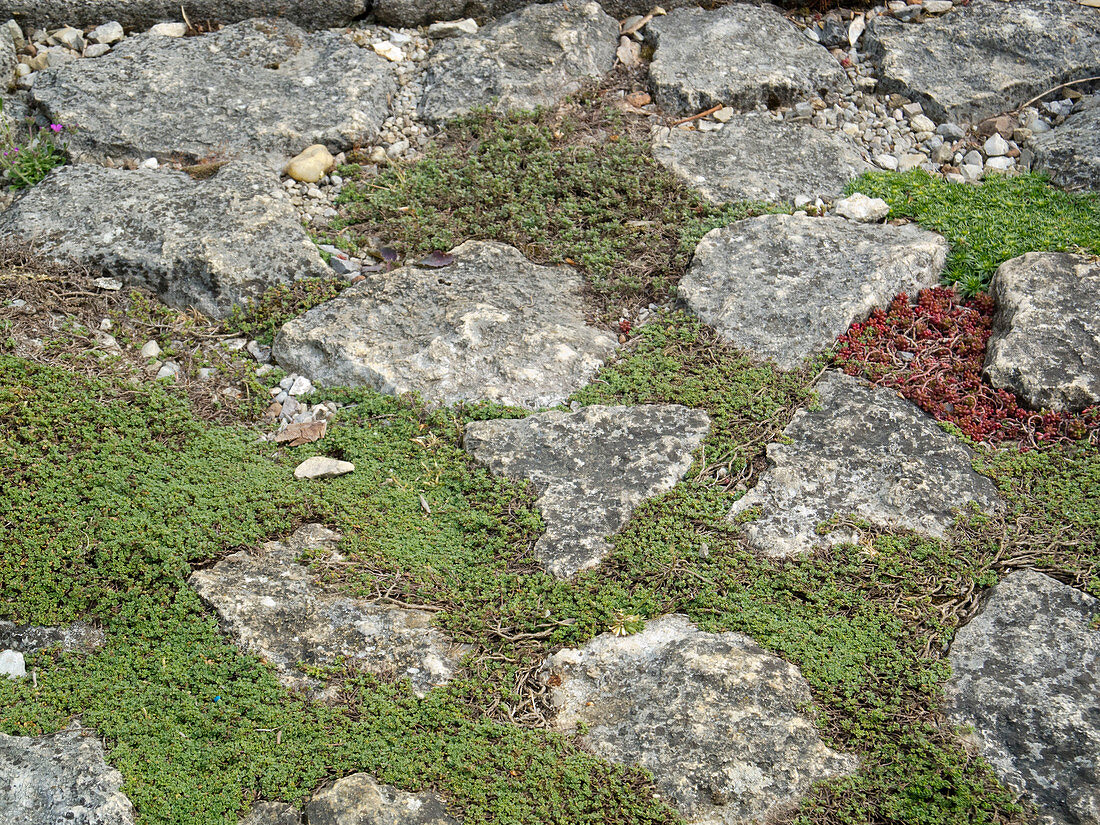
(436, 260)
(303, 433)
(424, 505)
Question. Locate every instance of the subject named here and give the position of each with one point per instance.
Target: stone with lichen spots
(141, 14)
(864, 453)
(721, 724)
(591, 468)
(1045, 342)
(359, 799)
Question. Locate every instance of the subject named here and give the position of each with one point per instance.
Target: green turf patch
(262, 318)
(575, 186)
(990, 223)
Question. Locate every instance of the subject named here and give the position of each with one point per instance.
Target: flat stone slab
(720, 722)
(256, 86)
(141, 14)
(532, 57)
(865, 453)
(1026, 679)
(591, 468)
(272, 606)
(491, 326)
(208, 244)
(756, 158)
(1045, 342)
(987, 57)
(32, 638)
(751, 280)
(63, 777)
(1070, 153)
(359, 799)
(739, 55)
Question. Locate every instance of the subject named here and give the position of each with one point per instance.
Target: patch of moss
(989, 223)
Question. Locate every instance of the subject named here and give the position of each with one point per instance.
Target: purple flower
(56, 127)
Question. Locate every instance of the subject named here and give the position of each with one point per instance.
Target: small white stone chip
(12, 664)
(109, 284)
(320, 466)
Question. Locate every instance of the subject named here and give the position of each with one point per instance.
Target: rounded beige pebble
(311, 164)
(320, 466)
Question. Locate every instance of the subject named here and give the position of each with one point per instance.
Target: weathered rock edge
(141, 14)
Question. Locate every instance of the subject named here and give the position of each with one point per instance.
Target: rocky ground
(554, 413)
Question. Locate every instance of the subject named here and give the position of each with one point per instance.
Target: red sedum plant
(932, 353)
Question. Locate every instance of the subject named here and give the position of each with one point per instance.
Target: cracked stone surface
(750, 280)
(987, 57)
(491, 326)
(739, 55)
(529, 58)
(257, 86)
(1045, 341)
(30, 638)
(1070, 154)
(591, 468)
(63, 777)
(865, 453)
(720, 722)
(358, 800)
(754, 157)
(141, 14)
(1026, 679)
(209, 244)
(272, 607)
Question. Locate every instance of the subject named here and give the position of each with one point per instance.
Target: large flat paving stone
(1070, 153)
(63, 777)
(591, 468)
(256, 86)
(360, 800)
(1026, 680)
(721, 723)
(866, 453)
(271, 606)
(784, 287)
(739, 55)
(141, 14)
(756, 158)
(492, 326)
(208, 244)
(532, 57)
(985, 57)
(1045, 342)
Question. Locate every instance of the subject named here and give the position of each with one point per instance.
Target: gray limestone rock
(750, 280)
(409, 13)
(490, 326)
(1026, 679)
(358, 800)
(532, 57)
(1070, 153)
(272, 607)
(30, 638)
(273, 813)
(256, 86)
(721, 723)
(590, 468)
(62, 777)
(141, 14)
(986, 57)
(754, 157)
(209, 244)
(865, 453)
(1045, 342)
(8, 60)
(739, 55)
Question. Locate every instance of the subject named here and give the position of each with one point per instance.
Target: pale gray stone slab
(756, 158)
(256, 86)
(491, 326)
(1045, 342)
(1070, 153)
(721, 723)
(986, 57)
(360, 800)
(532, 57)
(141, 14)
(865, 452)
(32, 638)
(209, 244)
(783, 287)
(739, 55)
(63, 777)
(1026, 680)
(591, 468)
(273, 813)
(272, 606)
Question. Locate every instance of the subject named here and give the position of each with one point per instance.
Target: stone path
(591, 469)
(800, 107)
(865, 453)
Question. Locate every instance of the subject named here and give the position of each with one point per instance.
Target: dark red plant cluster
(932, 353)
